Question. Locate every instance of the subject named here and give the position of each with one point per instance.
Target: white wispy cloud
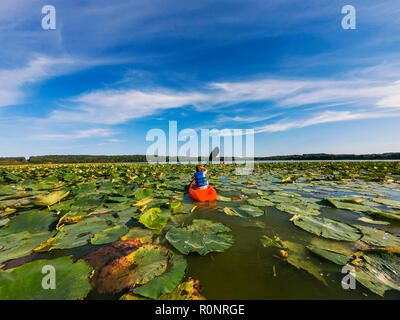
(341, 99)
(325, 117)
(39, 69)
(80, 134)
(119, 106)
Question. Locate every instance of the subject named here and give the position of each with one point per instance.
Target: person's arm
(205, 172)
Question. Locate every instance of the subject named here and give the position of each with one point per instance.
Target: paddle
(213, 155)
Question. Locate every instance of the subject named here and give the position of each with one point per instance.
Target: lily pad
(330, 255)
(251, 210)
(25, 282)
(153, 219)
(109, 235)
(379, 238)
(260, 202)
(202, 236)
(380, 272)
(51, 198)
(327, 228)
(165, 283)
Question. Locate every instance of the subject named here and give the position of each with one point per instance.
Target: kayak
(202, 195)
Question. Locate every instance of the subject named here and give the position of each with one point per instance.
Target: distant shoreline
(66, 159)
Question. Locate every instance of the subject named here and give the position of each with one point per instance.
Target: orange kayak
(202, 195)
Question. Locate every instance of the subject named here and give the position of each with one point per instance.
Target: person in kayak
(200, 177)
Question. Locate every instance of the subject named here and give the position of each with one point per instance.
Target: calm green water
(245, 271)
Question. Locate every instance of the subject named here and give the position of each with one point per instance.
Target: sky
(112, 71)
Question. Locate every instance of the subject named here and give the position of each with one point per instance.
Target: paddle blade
(214, 154)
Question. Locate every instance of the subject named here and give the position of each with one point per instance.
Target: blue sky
(113, 70)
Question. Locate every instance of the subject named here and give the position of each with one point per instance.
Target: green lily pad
(166, 282)
(327, 228)
(388, 202)
(25, 282)
(142, 193)
(298, 209)
(109, 235)
(232, 212)
(202, 236)
(379, 273)
(151, 261)
(153, 219)
(76, 235)
(32, 221)
(379, 238)
(17, 245)
(143, 235)
(251, 211)
(51, 198)
(260, 202)
(330, 255)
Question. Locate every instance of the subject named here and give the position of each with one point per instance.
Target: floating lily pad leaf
(299, 258)
(350, 206)
(162, 186)
(154, 203)
(3, 222)
(142, 235)
(188, 290)
(380, 272)
(153, 219)
(260, 202)
(71, 177)
(379, 238)
(327, 228)
(151, 261)
(286, 194)
(138, 267)
(202, 236)
(32, 221)
(25, 282)
(88, 202)
(268, 242)
(249, 191)
(388, 202)
(232, 212)
(142, 193)
(51, 198)
(298, 209)
(76, 235)
(109, 235)
(251, 211)
(224, 199)
(165, 283)
(389, 215)
(344, 248)
(17, 245)
(371, 221)
(143, 202)
(330, 255)
(175, 206)
(117, 199)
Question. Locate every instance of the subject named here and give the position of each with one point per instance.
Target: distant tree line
(142, 158)
(325, 156)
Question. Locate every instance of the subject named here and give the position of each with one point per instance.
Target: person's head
(200, 168)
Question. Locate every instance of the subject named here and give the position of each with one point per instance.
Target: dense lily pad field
(130, 231)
